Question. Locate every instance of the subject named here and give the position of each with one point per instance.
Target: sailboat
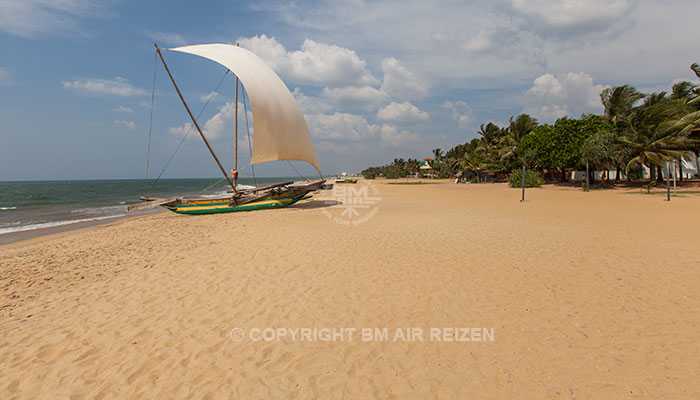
(281, 133)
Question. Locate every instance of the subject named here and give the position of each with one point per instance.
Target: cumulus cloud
(402, 113)
(219, 125)
(344, 128)
(570, 94)
(115, 87)
(310, 104)
(401, 83)
(208, 97)
(129, 124)
(29, 18)
(396, 137)
(181, 130)
(315, 63)
(460, 112)
(365, 97)
(341, 126)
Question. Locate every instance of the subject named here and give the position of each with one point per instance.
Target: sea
(30, 205)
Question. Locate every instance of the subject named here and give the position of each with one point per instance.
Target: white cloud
(181, 130)
(365, 97)
(123, 109)
(309, 104)
(402, 113)
(491, 40)
(341, 126)
(506, 44)
(208, 97)
(396, 137)
(117, 87)
(570, 94)
(129, 124)
(28, 18)
(566, 19)
(220, 124)
(344, 127)
(401, 83)
(460, 112)
(315, 63)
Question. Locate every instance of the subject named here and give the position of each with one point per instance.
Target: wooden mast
(235, 139)
(194, 120)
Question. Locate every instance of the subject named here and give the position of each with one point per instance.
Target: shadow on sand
(312, 204)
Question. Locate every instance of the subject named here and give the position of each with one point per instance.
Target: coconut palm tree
(516, 131)
(654, 131)
(473, 162)
(618, 103)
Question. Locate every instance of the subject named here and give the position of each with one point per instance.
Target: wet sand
(588, 295)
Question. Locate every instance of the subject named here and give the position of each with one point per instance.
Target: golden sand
(588, 295)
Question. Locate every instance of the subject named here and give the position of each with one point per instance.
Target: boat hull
(225, 205)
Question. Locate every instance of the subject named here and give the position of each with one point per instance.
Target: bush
(369, 174)
(532, 179)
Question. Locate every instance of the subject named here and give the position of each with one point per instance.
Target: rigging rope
(188, 132)
(150, 123)
(295, 170)
(247, 127)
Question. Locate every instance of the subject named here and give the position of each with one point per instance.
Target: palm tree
(618, 103)
(654, 131)
(517, 130)
(473, 162)
(437, 153)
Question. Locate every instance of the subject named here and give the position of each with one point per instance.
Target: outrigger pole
(235, 139)
(194, 120)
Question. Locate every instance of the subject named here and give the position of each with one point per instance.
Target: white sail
(280, 129)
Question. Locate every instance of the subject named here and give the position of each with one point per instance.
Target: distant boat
(345, 180)
(280, 134)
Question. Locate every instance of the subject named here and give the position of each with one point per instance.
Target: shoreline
(14, 238)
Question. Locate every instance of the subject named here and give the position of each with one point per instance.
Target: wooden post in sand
(523, 198)
(668, 181)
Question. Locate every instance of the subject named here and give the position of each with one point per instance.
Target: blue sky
(375, 80)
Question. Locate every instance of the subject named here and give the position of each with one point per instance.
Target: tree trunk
(563, 174)
(680, 169)
(697, 163)
(659, 174)
(652, 173)
(617, 174)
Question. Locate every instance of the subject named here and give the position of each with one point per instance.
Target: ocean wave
(8, 208)
(244, 187)
(99, 210)
(53, 224)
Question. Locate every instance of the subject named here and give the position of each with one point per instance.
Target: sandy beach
(588, 295)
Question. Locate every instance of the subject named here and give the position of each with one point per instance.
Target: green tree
(559, 145)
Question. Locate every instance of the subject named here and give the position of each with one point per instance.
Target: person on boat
(234, 174)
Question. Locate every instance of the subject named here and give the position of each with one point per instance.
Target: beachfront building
(688, 170)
